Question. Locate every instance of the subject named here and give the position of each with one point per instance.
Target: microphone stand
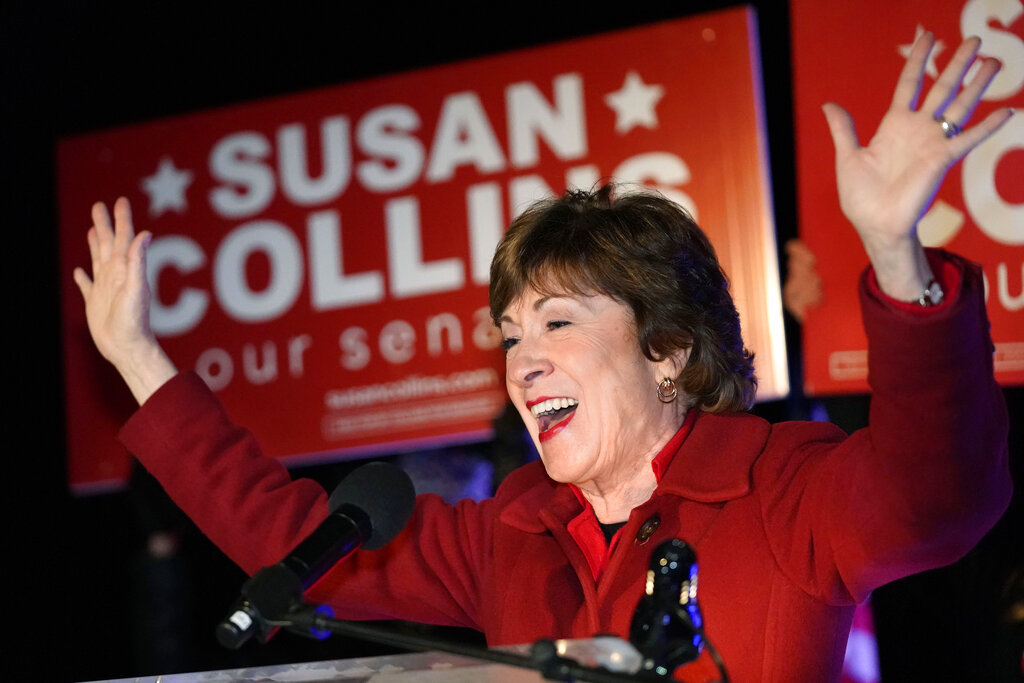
(543, 657)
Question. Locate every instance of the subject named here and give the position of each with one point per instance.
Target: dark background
(76, 67)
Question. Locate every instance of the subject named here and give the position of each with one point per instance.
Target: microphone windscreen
(385, 493)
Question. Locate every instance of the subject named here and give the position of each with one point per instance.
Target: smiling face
(587, 394)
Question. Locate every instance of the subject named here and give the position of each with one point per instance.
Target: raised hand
(117, 301)
(885, 187)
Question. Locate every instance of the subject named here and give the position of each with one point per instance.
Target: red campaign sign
(321, 259)
(979, 211)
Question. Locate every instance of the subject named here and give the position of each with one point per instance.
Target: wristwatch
(932, 295)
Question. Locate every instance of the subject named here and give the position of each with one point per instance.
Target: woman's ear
(673, 364)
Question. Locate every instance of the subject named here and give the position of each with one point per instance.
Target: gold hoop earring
(667, 391)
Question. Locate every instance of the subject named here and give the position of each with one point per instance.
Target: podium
(426, 667)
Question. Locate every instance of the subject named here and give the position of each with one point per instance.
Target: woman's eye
(555, 324)
(508, 343)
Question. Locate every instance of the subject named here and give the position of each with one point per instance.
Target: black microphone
(367, 509)
(667, 626)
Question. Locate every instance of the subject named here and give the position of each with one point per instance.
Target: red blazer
(793, 524)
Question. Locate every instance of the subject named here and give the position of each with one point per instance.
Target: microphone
(367, 509)
(667, 626)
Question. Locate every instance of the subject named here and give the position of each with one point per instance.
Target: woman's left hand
(885, 187)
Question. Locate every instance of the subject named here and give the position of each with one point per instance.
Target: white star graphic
(166, 188)
(634, 104)
(930, 67)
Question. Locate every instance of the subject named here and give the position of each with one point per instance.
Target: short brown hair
(646, 252)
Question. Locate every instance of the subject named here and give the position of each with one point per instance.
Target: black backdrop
(74, 67)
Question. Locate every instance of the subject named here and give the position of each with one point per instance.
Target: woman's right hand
(117, 301)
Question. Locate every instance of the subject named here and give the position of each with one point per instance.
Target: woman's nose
(527, 364)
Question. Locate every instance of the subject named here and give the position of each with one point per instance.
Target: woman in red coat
(625, 360)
